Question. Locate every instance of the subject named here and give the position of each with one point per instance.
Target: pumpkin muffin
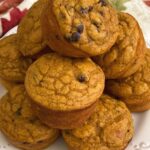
(134, 90)
(13, 65)
(127, 55)
(20, 125)
(109, 128)
(30, 40)
(79, 28)
(64, 91)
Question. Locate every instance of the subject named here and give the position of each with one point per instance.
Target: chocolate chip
(90, 8)
(103, 2)
(81, 78)
(102, 13)
(75, 37)
(80, 28)
(96, 24)
(84, 10)
(18, 112)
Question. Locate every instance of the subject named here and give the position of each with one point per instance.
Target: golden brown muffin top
(13, 65)
(109, 128)
(124, 53)
(90, 25)
(136, 86)
(17, 120)
(64, 84)
(30, 40)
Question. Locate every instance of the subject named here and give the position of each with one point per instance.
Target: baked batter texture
(13, 65)
(29, 35)
(18, 123)
(127, 55)
(134, 90)
(64, 85)
(80, 28)
(109, 128)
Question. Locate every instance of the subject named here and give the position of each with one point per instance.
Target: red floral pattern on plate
(14, 13)
(15, 17)
(7, 4)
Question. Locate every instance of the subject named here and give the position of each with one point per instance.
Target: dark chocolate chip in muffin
(18, 112)
(80, 28)
(84, 10)
(81, 78)
(90, 8)
(75, 37)
(103, 2)
(95, 23)
(101, 13)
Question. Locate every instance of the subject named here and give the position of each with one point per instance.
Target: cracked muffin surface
(20, 125)
(85, 27)
(109, 128)
(126, 56)
(13, 65)
(29, 37)
(65, 84)
(134, 90)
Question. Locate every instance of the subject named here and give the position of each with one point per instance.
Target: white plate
(141, 140)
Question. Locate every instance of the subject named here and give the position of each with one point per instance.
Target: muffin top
(62, 83)
(17, 120)
(135, 87)
(109, 128)
(30, 40)
(13, 65)
(125, 54)
(90, 26)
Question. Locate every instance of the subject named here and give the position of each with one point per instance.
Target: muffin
(109, 128)
(20, 125)
(134, 90)
(83, 28)
(64, 91)
(127, 55)
(13, 65)
(30, 40)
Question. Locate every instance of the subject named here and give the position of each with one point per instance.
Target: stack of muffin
(52, 71)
